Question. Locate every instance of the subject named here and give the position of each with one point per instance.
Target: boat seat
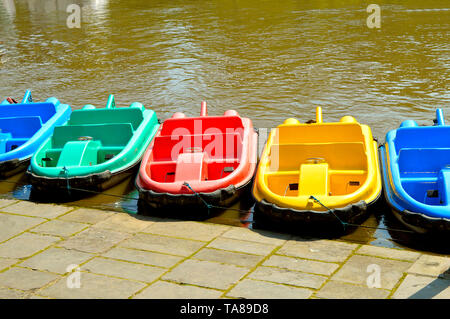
(339, 133)
(123, 132)
(79, 153)
(417, 137)
(201, 125)
(44, 110)
(313, 179)
(217, 146)
(421, 162)
(20, 127)
(339, 156)
(191, 167)
(108, 116)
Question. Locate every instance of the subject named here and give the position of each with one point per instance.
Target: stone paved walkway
(128, 256)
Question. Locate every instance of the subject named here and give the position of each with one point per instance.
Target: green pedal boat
(95, 149)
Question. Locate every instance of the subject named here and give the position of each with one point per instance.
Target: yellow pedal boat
(318, 173)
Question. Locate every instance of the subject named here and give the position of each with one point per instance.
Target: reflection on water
(268, 61)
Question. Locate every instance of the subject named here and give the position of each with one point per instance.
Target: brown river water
(269, 60)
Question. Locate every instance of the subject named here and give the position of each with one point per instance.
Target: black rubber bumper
(12, 167)
(93, 182)
(425, 223)
(222, 197)
(352, 214)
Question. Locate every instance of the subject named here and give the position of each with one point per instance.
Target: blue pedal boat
(416, 174)
(24, 127)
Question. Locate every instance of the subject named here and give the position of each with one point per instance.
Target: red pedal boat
(198, 161)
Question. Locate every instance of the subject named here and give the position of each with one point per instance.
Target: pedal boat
(416, 173)
(96, 149)
(198, 161)
(319, 174)
(24, 127)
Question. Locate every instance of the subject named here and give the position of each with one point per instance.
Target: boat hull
(208, 166)
(25, 126)
(95, 150)
(318, 175)
(418, 222)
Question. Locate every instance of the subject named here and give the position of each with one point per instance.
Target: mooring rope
(209, 206)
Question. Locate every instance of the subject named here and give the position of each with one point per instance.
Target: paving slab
(59, 228)
(392, 253)
(87, 215)
(57, 260)
(242, 246)
(322, 250)
(340, 290)
(289, 277)
(260, 236)
(93, 287)
(422, 287)
(6, 202)
(25, 279)
(362, 270)
(123, 269)
(228, 257)
(94, 240)
(7, 262)
(304, 265)
(12, 225)
(184, 229)
(430, 265)
(25, 245)
(8, 293)
(162, 244)
(254, 289)
(143, 257)
(167, 290)
(123, 222)
(206, 274)
(37, 210)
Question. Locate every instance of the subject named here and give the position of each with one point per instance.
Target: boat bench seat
(21, 127)
(314, 179)
(217, 146)
(203, 124)
(108, 116)
(422, 162)
(108, 134)
(339, 156)
(79, 153)
(44, 110)
(417, 137)
(191, 167)
(291, 134)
